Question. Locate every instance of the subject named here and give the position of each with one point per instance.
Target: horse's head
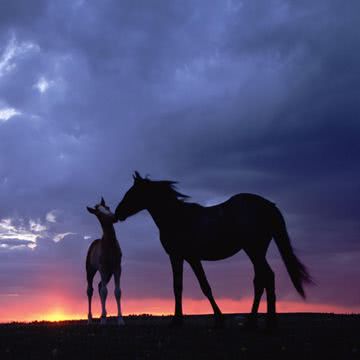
(103, 213)
(147, 194)
(135, 198)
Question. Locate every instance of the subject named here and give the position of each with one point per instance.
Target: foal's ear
(91, 210)
(102, 203)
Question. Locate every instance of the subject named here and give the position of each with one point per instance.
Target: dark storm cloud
(291, 130)
(252, 96)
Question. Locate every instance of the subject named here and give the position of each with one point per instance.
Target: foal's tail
(297, 271)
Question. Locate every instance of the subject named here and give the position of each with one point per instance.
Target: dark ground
(300, 336)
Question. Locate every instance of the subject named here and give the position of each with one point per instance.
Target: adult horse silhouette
(104, 255)
(192, 232)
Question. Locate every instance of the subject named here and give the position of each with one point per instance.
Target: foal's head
(103, 213)
(145, 193)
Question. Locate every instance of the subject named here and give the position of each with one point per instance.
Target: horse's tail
(297, 271)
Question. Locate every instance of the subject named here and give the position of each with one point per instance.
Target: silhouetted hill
(300, 336)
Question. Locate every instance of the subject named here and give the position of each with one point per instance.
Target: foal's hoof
(103, 321)
(120, 321)
(176, 322)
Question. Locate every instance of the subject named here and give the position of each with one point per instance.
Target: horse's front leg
(177, 265)
(206, 289)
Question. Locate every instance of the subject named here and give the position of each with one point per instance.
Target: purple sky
(225, 97)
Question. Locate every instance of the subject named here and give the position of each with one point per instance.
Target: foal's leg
(103, 295)
(117, 293)
(177, 265)
(90, 273)
(206, 289)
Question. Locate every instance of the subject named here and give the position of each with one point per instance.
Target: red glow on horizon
(58, 308)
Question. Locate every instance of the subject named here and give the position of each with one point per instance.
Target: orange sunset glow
(55, 308)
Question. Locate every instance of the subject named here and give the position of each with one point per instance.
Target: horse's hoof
(103, 321)
(219, 321)
(120, 321)
(90, 320)
(176, 322)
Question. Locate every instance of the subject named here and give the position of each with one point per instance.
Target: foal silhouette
(192, 232)
(104, 255)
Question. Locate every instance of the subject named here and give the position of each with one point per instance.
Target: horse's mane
(166, 188)
(162, 188)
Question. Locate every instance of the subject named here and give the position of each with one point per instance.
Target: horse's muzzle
(119, 216)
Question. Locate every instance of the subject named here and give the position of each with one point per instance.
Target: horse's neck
(164, 213)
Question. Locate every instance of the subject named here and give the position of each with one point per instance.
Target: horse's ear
(102, 203)
(137, 176)
(90, 210)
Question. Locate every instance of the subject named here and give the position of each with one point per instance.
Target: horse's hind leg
(271, 321)
(264, 279)
(117, 293)
(205, 287)
(259, 286)
(90, 273)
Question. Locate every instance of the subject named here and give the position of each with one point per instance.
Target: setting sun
(57, 315)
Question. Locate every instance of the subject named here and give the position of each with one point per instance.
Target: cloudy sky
(224, 96)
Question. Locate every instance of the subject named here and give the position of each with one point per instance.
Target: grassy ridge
(300, 336)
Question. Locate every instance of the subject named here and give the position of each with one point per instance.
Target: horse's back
(219, 231)
(246, 198)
